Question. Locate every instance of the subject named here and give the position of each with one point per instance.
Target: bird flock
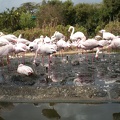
(47, 46)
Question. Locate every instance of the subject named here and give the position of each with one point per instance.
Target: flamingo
(98, 37)
(39, 40)
(24, 47)
(24, 69)
(7, 49)
(57, 36)
(33, 46)
(45, 49)
(107, 35)
(11, 38)
(61, 44)
(115, 44)
(1, 34)
(22, 40)
(77, 35)
(3, 41)
(90, 44)
(47, 40)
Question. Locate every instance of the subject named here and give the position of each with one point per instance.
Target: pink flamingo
(39, 40)
(24, 69)
(3, 41)
(89, 45)
(61, 45)
(45, 49)
(57, 36)
(107, 35)
(24, 47)
(11, 38)
(7, 49)
(115, 44)
(77, 35)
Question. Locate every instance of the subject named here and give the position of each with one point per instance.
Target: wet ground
(71, 78)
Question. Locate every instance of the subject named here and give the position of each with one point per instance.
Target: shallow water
(60, 111)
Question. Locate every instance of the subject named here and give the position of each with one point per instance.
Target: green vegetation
(32, 19)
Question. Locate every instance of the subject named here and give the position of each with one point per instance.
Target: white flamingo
(7, 49)
(24, 69)
(107, 35)
(77, 35)
(11, 38)
(1, 34)
(61, 45)
(22, 40)
(39, 40)
(45, 49)
(3, 41)
(57, 36)
(115, 44)
(90, 44)
(47, 40)
(24, 47)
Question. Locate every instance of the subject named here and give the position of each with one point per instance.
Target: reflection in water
(51, 113)
(116, 116)
(62, 111)
(6, 106)
(1, 118)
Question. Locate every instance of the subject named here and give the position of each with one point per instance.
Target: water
(60, 111)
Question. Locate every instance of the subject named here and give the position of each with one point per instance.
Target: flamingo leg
(35, 58)
(2, 62)
(42, 60)
(8, 62)
(23, 57)
(49, 67)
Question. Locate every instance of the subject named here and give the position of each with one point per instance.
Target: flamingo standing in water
(24, 47)
(62, 44)
(89, 45)
(45, 49)
(7, 49)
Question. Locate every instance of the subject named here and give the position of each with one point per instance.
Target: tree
(26, 21)
(28, 7)
(86, 16)
(113, 9)
(68, 12)
(50, 13)
(10, 19)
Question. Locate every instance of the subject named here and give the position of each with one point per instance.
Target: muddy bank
(71, 78)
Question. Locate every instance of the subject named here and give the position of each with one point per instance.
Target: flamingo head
(32, 46)
(101, 31)
(71, 27)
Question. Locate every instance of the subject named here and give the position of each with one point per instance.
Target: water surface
(61, 111)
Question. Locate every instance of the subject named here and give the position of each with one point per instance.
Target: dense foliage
(52, 15)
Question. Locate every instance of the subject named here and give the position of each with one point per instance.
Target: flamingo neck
(72, 31)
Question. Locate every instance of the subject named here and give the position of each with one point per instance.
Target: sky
(16, 3)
